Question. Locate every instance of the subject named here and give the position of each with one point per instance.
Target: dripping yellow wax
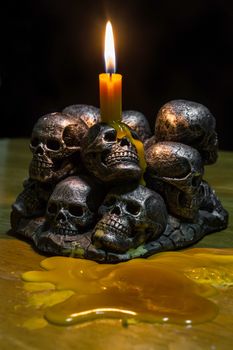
(122, 131)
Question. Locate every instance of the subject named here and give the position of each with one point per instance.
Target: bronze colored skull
(137, 122)
(73, 206)
(55, 140)
(71, 212)
(108, 158)
(130, 217)
(90, 115)
(190, 123)
(175, 171)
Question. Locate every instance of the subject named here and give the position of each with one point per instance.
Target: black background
(52, 53)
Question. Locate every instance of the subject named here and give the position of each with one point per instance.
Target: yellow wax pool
(171, 287)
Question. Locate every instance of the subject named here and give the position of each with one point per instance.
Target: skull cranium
(190, 123)
(137, 122)
(73, 206)
(130, 217)
(175, 170)
(55, 139)
(90, 115)
(108, 157)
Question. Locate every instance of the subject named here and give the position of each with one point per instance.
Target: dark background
(52, 53)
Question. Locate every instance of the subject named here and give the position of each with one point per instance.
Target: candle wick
(110, 75)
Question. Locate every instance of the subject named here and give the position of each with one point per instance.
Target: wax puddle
(170, 287)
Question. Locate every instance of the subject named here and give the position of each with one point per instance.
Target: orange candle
(110, 83)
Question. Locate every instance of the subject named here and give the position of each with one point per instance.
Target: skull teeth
(126, 156)
(113, 226)
(41, 164)
(65, 231)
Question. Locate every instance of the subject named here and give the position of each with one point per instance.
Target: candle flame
(109, 51)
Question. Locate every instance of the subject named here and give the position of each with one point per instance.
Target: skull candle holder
(84, 196)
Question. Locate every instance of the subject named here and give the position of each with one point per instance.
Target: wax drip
(123, 130)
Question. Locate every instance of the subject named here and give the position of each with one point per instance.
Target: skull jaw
(64, 230)
(123, 171)
(112, 233)
(183, 205)
(70, 228)
(183, 202)
(61, 239)
(53, 173)
(108, 168)
(41, 174)
(110, 241)
(52, 243)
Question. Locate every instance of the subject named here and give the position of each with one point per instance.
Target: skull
(190, 123)
(130, 217)
(55, 140)
(108, 157)
(137, 122)
(73, 206)
(90, 115)
(175, 171)
(31, 202)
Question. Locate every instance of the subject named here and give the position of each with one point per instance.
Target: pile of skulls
(84, 196)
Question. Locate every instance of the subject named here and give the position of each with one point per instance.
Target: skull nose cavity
(124, 142)
(116, 210)
(61, 217)
(39, 150)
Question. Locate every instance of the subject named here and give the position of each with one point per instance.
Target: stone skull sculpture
(190, 123)
(71, 211)
(55, 140)
(175, 171)
(73, 206)
(130, 217)
(30, 203)
(137, 122)
(109, 158)
(90, 115)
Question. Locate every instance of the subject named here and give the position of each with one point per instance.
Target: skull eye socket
(132, 208)
(110, 201)
(76, 210)
(53, 145)
(110, 136)
(34, 142)
(52, 208)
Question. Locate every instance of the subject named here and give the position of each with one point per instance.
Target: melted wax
(122, 131)
(170, 287)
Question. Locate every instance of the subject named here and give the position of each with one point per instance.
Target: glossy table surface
(18, 256)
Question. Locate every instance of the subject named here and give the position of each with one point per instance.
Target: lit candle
(110, 83)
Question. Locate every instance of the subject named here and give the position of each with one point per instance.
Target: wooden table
(17, 256)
